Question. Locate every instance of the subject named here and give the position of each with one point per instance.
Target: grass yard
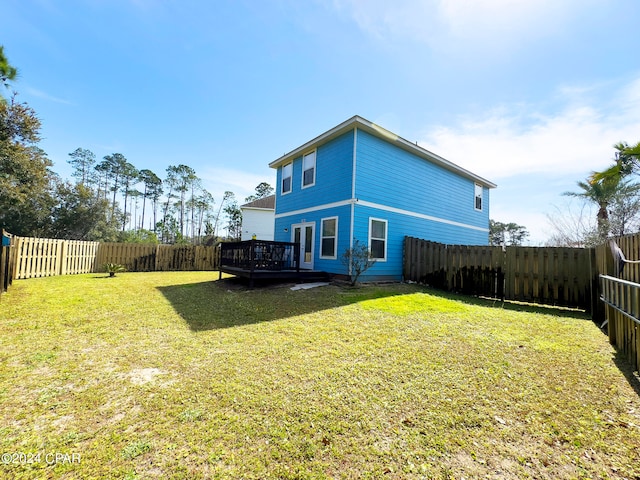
(178, 375)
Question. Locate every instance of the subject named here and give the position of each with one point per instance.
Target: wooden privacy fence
(154, 258)
(620, 295)
(547, 275)
(622, 311)
(44, 257)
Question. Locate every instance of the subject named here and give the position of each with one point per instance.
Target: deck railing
(254, 255)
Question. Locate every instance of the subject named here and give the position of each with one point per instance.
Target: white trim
(385, 208)
(313, 240)
(353, 195)
(353, 172)
(282, 177)
(419, 215)
(385, 239)
(475, 197)
(335, 238)
(258, 209)
(315, 168)
(315, 209)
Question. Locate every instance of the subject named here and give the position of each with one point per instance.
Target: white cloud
(446, 25)
(535, 155)
(516, 140)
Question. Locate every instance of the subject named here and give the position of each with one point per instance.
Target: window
(309, 169)
(286, 178)
(478, 197)
(329, 237)
(378, 239)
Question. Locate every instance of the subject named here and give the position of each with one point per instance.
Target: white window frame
(290, 177)
(478, 193)
(334, 236)
(385, 239)
(315, 168)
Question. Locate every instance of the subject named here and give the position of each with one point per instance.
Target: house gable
(369, 178)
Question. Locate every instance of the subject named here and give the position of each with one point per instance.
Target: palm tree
(627, 160)
(601, 193)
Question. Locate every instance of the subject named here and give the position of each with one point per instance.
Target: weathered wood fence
(622, 311)
(546, 275)
(45, 257)
(620, 295)
(155, 258)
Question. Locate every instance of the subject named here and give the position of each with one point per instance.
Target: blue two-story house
(360, 181)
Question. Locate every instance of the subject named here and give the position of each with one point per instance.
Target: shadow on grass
(624, 365)
(230, 303)
(512, 305)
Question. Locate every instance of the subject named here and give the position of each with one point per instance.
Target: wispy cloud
(45, 96)
(446, 25)
(521, 139)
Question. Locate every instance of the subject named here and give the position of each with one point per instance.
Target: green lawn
(178, 375)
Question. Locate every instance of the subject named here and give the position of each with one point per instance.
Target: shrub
(113, 268)
(357, 259)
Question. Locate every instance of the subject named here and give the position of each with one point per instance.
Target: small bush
(113, 268)
(357, 260)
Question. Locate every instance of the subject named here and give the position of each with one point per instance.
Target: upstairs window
(478, 197)
(309, 169)
(378, 239)
(286, 178)
(328, 237)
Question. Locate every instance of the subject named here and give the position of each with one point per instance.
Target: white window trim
(386, 238)
(475, 197)
(282, 192)
(315, 168)
(335, 237)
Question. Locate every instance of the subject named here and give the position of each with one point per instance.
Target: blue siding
(398, 227)
(334, 170)
(344, 228)
(386, 175)
(389, 175)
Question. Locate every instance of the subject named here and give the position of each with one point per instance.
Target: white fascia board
(378, 131)
(258, 209)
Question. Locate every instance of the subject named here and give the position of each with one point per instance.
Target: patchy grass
(175, 375)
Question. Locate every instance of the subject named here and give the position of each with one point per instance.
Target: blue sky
(530, 94)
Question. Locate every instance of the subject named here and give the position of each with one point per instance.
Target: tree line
(110, 199)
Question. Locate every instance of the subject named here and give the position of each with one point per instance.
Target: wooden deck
(265, 260)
